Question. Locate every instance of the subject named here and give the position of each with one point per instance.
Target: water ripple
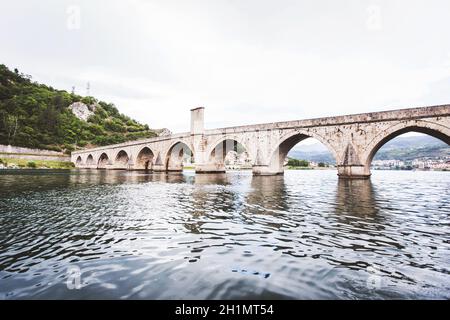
(304, 235)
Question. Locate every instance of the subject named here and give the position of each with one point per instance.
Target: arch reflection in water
(211, 179)
(123, 177)
(356, 197)
(268, 195)
(304, 235)
(211, 200)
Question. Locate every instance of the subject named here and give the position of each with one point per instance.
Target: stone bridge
(353, 140)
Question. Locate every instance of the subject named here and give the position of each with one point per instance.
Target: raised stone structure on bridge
(353, 140)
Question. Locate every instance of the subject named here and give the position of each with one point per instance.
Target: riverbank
(309, 168)
(286, 168)
(13, 157)
(15, 163)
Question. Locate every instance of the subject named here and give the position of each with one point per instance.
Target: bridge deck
(390, 115)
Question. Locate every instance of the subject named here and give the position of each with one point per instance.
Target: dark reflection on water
(304, 235)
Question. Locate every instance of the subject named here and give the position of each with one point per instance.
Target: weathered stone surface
(23, 150)
(13, 152)
(81, 110)
(163, 132)
(353, 141)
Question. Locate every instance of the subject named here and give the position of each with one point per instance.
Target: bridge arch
(89, 160)
(176, 154)
(144, 159)
(435, 130)
(121, 160)
(79, 161)
(103, 161)
(219, 152)
(278, 154)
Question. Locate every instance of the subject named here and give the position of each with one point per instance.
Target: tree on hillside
(38, 116)
(10, 124)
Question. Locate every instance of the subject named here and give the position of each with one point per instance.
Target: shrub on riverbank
(36, 164)
(297, 163)
(31, 164)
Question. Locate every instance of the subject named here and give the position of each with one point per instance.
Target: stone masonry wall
(13, 152)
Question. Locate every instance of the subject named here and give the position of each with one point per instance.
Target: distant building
(418, 164)
(313, 164)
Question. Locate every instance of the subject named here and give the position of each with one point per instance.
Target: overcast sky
(245, 61)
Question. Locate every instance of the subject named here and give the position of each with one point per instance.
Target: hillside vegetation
(37, 116)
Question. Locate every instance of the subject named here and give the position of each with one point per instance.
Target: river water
(307, 234)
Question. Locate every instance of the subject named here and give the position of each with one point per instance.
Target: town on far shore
(241, 161)
(436, 164)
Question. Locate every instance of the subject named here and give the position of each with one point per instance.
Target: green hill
(38, 116)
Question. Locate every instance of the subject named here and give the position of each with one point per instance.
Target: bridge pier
(159, 168)
(265, 170)
(353, 172)
(210, 168)
(178, 167)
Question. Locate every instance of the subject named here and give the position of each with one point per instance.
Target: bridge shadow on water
(224, 192)
(357, 208)
(296, 235)
(260, 194)
(356, 198)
